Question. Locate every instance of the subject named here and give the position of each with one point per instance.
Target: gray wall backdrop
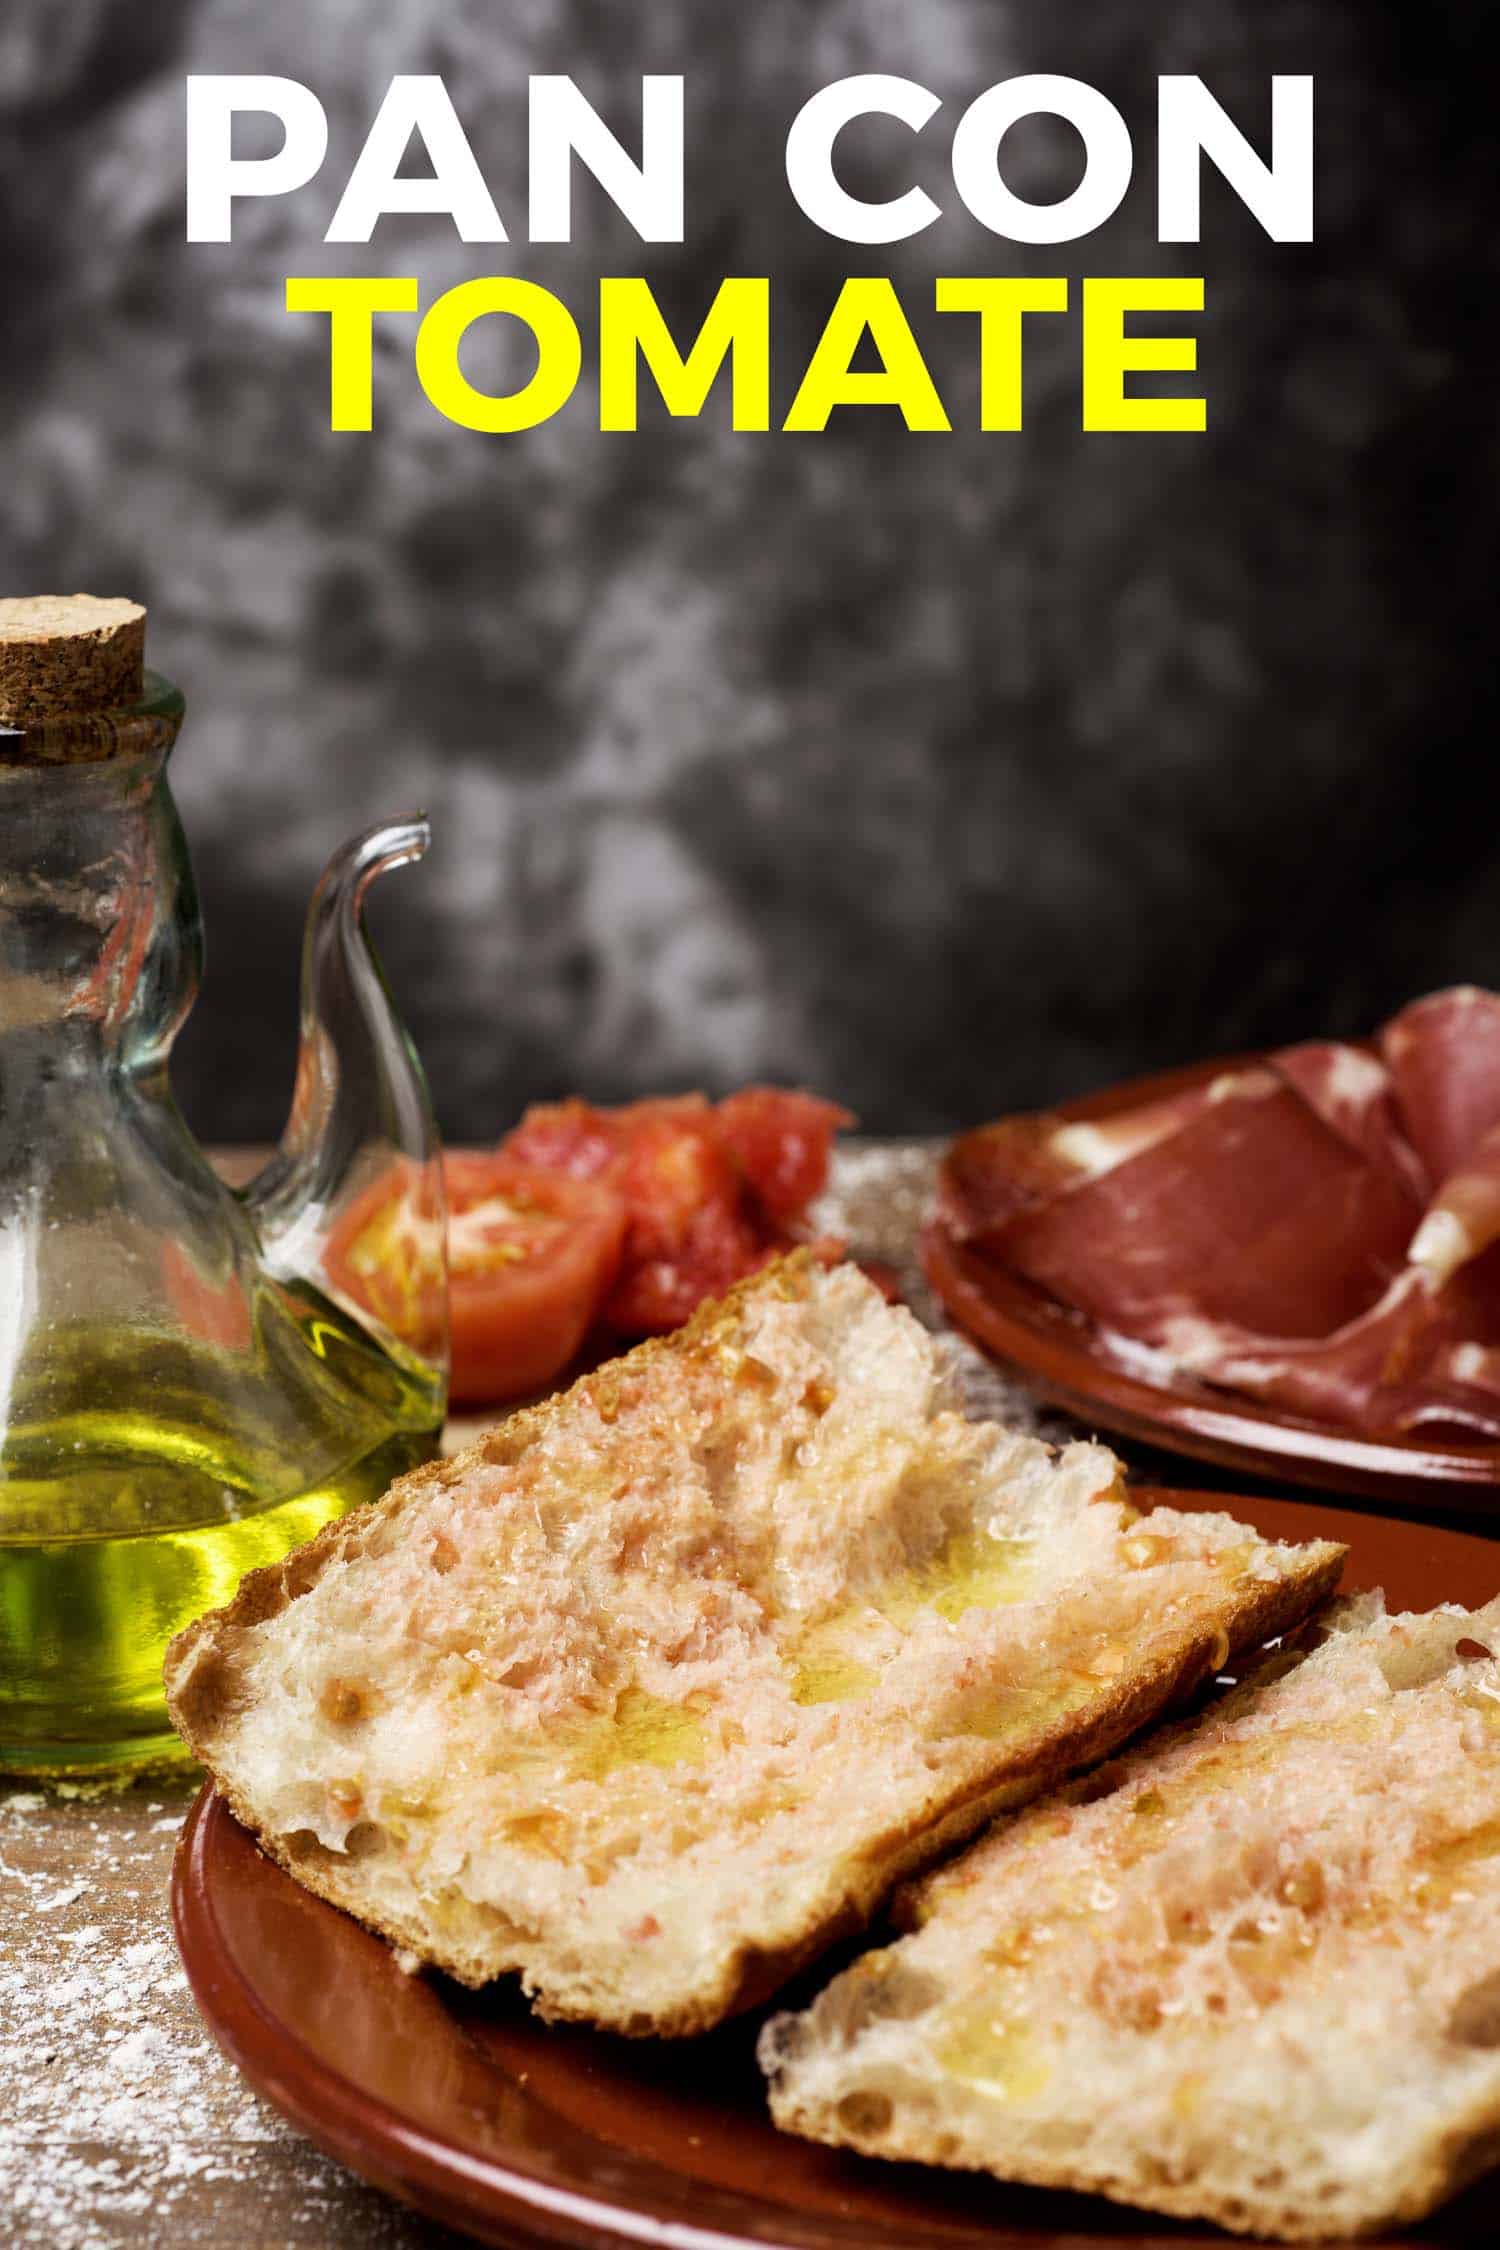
(945, 773)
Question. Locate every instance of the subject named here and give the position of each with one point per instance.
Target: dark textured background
(944, 772)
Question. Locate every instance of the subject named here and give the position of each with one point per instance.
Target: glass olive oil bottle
(189, 1386)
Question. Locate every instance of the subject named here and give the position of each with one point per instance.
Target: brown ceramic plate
(1073, 1364)
(467, 2106)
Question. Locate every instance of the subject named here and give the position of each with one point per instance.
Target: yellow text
(638, 352)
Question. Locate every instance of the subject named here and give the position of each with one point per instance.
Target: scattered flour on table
(119, 2117)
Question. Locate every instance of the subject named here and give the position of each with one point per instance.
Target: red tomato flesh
(569, 1137)
(711, 1191)
(689, 1235)
(782, 1141)
(531, 1254)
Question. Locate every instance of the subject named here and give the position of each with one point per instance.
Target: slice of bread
(663, 1685)
(1249, 1972)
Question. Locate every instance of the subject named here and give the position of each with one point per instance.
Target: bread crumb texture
(663, 1685)
(1250, 1972)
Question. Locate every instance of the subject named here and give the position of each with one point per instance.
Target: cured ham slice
(1310, 1237)
(1403, 1355)
(1443, 1055)
(1320, 1231)
(1352, 1091)
(994, 1174)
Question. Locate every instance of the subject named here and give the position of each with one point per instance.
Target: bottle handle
(353, 1198)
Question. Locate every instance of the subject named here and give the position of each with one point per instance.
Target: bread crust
(823, 2077)
(1475, 2142)
(204, 1692)
(1470, 2147)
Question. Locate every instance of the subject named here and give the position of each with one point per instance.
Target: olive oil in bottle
(135, 1492)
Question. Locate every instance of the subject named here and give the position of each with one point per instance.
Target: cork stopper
(65, 655)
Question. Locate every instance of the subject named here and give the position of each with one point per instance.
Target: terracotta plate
(1072, 1363)
(468, 2107)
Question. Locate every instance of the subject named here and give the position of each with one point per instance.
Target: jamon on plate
(1317, 1229)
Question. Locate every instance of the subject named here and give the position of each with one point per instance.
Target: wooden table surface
(120, 2122)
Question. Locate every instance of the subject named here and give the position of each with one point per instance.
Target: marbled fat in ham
(1352, 1091)
(1320, 1231)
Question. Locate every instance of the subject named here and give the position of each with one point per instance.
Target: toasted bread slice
(663, 1685)
(1249, 1972)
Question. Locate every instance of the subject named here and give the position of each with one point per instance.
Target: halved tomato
(385, 1255)
(531, 1256)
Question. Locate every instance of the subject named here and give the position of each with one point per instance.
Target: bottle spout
(353, 1198)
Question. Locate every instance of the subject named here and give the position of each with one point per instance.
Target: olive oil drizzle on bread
(664, 1684)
